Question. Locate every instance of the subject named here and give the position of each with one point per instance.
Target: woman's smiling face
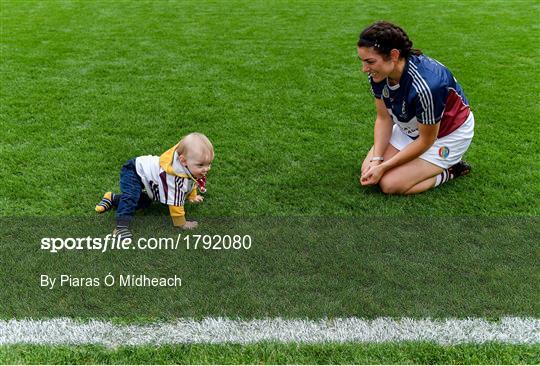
(374, 64)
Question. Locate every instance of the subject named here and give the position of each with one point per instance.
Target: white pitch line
(65, 331)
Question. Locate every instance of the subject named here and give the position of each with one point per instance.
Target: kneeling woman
(424, 124)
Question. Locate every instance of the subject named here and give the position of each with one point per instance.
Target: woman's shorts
(447, 150)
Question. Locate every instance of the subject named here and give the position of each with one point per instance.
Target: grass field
(275, 353)
(277, 86)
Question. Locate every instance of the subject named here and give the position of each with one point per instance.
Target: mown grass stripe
(416, 353)
(65, 331)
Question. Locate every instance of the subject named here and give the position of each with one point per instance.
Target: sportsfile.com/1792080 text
(110, 242)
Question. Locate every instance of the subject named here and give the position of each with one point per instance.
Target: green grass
(275, 353)
(296, 268)
(87, 85)
(277, 87)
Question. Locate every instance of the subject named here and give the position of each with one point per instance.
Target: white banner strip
(64, 331)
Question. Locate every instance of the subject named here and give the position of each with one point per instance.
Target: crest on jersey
(403, 110)
(444, 152)
(385, 92)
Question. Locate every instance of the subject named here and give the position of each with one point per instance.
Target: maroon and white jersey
(427, 93)
(161, 186)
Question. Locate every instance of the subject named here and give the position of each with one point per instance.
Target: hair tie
(374, 43)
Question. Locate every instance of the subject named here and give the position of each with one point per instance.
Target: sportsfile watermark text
(186, 242)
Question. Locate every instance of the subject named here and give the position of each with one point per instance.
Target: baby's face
(199, 164)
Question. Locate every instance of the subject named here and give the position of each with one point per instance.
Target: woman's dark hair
(385, 36)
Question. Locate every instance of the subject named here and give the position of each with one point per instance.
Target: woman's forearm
(381, 135)
(426, 138)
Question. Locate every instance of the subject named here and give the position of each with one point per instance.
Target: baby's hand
(190, 225)
(197, 199)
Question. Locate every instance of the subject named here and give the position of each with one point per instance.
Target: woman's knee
(392, 185)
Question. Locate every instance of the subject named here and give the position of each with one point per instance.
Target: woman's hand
(369, 165)
(373, 174)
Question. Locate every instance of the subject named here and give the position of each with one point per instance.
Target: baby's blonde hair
(195, 142)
